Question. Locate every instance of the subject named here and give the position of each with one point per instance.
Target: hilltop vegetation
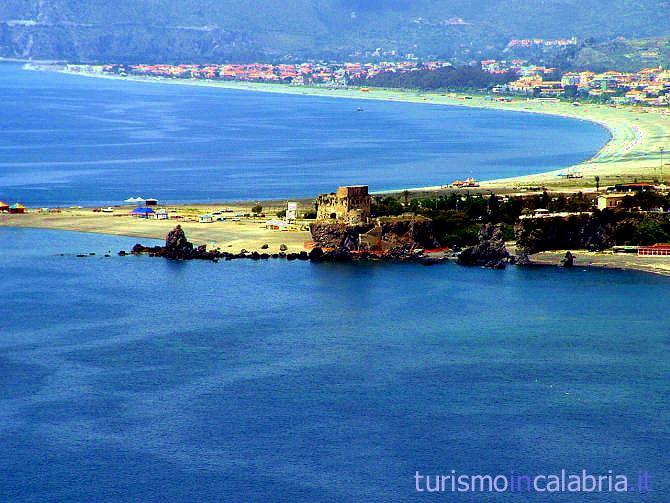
(244, 30)
(466, 77)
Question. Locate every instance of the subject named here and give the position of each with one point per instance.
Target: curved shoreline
(632, 151)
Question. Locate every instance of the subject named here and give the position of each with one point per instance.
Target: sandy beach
(637, 133)
(233, 234)
(585, 259)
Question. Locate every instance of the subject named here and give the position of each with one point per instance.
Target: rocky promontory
(397, 238)
(489, 252)
(385, 239)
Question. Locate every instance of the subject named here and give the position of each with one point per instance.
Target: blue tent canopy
(142, 212)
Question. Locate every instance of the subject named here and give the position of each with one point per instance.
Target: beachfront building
(349, 204)
(291, 211)
(609, 201)
(17, 208)
(3, 207)
(657, 250)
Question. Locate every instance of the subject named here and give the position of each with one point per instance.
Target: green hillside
(229, 30)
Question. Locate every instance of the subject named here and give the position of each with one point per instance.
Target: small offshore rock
(568, 260)
(316, 253)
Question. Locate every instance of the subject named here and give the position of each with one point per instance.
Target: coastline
(632, 133)
(632, 152)
(251, 235)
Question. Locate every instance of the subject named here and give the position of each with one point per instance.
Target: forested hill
(237, 30)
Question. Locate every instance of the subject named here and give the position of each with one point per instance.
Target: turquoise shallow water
(73, 140)
(142, 379)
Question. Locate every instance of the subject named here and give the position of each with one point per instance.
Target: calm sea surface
(137, 379)
(141, 379)
(74, 140)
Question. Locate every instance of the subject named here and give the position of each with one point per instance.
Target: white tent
(134, 200)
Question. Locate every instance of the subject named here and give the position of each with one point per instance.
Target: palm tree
(597, 183)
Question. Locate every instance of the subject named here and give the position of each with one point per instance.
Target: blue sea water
(138, 379)
(74, 140)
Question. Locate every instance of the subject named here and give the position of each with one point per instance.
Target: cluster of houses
(464, 184)
(519, 67)
(297, 74)
(650, 86)
(541, 42)
(15, 208)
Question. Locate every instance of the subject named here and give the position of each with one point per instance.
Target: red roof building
(658, 250)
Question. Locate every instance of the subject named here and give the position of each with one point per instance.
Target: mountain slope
(226, 30)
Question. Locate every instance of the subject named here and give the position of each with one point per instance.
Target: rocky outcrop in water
(401, 241)
(489, 252)
(568, 260)
(177, 247)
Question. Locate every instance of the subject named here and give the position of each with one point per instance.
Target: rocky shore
(178, 247)
(490, 252)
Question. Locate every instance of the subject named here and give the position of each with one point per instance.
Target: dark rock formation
(316, 253)
(400, 241)
(568, 260)
(594, 232)
(490, 252)
(398, 238)
(178, 247)
(586, 231)
(522, 258)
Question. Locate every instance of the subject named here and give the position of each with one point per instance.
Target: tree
(257, 209)
(597, 183)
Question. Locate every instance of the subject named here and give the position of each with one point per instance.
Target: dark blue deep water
(75, 140)
(139, 379)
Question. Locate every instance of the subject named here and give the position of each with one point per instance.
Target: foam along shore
(633, 152)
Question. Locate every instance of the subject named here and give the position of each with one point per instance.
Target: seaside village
(648, 87)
